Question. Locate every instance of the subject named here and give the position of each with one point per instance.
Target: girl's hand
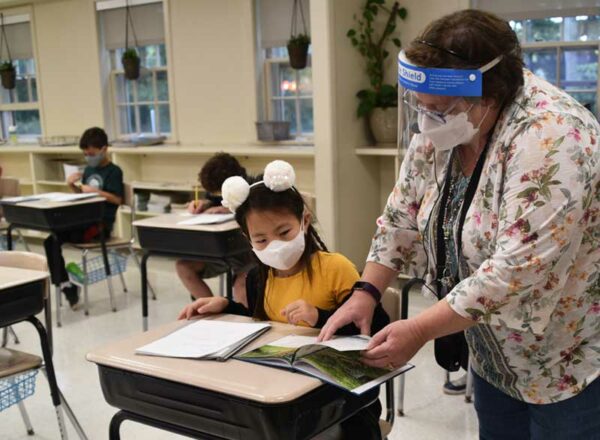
(197, 207)
(218, 210)
(203, 306)
(300, 310)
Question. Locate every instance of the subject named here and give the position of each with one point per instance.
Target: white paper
(201, 338)
(51, 197)
(340, 343)
(206, 219)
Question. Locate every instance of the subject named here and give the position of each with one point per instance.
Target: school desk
(162, 235)
(55, 217)
(218, 400)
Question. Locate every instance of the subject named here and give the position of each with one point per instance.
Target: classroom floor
(429, 413)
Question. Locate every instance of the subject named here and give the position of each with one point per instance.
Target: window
(142, 106)
(565, 52)
(19, 107)
(138, 106)
(289, 92)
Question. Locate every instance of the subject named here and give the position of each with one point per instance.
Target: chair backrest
(391, 303)
(9, 187)
(24, 260)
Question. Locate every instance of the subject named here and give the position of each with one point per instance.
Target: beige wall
(68, 66)
(212, 53)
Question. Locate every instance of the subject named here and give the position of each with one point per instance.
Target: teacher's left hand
(394, 345)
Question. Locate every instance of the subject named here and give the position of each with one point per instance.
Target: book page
(339, 343)
(202, 338)
(206, 219)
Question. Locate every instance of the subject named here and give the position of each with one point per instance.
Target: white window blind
(18, 34)
(519, 9)
(148, 21)
(276, 21)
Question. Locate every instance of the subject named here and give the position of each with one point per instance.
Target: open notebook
(336, 361)
(205, 339)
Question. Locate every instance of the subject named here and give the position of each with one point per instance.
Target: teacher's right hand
(358, 310)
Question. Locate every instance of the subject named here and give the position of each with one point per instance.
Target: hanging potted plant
(130, 58)
(299, 42)
(8, 73)
(379, 103)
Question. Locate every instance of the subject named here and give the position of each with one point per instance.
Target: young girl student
(296, 279)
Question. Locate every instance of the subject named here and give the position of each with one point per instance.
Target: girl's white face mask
(283, 255)
(455, 131)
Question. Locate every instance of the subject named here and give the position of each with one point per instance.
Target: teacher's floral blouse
(530, 261)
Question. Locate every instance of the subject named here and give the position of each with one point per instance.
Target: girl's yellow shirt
(333, 275)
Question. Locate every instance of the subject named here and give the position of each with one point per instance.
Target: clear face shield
(434, 103)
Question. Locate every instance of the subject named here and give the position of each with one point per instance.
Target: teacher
(497, 206)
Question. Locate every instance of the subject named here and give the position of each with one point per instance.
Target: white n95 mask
(283, 255)
(455, 131)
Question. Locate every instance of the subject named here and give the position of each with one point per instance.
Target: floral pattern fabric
(530, 244)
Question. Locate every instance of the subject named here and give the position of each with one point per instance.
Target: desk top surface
(170, 221)
(11, 277)
(47, 204)
(233, 377)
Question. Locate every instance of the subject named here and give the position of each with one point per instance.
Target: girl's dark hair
(217, 169)
(469, 39)
(290, 201)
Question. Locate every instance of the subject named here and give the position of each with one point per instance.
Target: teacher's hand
(358, 310)
(394, 345)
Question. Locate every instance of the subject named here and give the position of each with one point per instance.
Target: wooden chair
(9, 187)
(112, 244)
(14, 362)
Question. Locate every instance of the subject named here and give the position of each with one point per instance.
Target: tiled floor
(429, 413)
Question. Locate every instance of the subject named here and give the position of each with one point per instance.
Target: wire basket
(57, 141)
(15, 388)
(95, 268)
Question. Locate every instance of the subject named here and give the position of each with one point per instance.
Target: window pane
(162, 53)
(144, 88)
(27, 122)
(284, 80)
(147, 119)
(21, 92)
(306, 115)
(162, 86)
(164, 118)
(544, 29)
(579, 69)
(582, 28)
(305, 87)
(517, 26)
(34, 95)
(124, 89)
(127, 119)
(588, 100)
(542, 63)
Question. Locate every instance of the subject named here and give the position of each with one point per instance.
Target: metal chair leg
(469, 389)
(86, 299)
(113, 306)
(22, 240)
(14, 335)
(25, 418)
(400, 401)
(137, 263)
(122, 280)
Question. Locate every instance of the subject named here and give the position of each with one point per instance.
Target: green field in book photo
(345, 367)
(271, 351)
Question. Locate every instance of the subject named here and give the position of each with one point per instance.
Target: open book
(205, 339)
(206, 219)
(336, 361)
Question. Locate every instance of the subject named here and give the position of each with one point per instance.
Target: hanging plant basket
(131, 64)
(8, 74)
(298, 43)
(298, 53)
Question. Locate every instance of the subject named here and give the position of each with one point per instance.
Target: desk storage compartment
(202, 243)
(57, 219)
(19, 302)
(229, 417)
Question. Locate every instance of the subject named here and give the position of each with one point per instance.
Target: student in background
(100, 176)
(193, 272)
(296, 279)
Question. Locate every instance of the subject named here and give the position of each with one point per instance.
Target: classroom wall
(68, 67)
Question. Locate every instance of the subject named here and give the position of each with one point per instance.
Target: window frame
(297, 98)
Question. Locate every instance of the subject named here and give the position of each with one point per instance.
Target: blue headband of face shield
(437, 81)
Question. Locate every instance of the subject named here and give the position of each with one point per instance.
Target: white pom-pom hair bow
(278, 176)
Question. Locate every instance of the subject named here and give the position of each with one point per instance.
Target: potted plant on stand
(379, 103)
(299, 42)
(8, 73)
(130, 58)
